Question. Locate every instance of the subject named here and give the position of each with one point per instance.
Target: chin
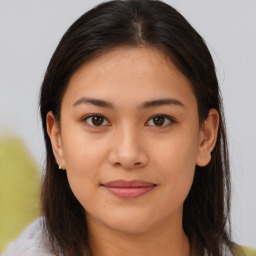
(129, 223)
(130, 228)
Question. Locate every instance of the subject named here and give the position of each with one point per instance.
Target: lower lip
(129, 193)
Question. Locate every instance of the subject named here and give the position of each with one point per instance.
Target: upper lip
(128, 184)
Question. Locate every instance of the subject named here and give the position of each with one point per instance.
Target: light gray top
(30, 243)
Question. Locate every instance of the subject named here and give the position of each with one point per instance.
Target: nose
(127, 149)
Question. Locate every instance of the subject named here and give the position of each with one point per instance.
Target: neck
(164, 240)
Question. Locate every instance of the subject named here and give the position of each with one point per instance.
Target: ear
(207, 138)
(53, 130)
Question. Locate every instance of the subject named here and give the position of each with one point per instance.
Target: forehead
(126, 73)
(137, 59)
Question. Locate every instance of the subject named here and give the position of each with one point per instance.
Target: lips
(129, 189)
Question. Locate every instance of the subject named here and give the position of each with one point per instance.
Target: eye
(160, 121)
(96, 120)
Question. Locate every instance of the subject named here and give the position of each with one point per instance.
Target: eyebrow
(144, 105)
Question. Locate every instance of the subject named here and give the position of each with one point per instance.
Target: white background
(30, 31)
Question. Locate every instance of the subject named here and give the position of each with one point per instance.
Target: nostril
(135, 164)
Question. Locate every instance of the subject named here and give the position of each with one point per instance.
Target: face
(129, 139)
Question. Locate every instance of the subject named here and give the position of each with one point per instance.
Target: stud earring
(60, 167)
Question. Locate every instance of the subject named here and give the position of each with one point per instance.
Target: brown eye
(160, 121)
(96, 120)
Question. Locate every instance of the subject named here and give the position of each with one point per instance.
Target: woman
(137, 159)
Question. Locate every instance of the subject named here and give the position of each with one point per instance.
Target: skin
(130, 145)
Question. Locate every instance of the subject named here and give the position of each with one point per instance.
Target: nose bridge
(127, 147)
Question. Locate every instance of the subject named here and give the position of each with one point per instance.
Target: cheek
(177, 159)
(82, 151)
(83, 158)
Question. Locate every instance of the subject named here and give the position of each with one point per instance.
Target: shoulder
(30, 242)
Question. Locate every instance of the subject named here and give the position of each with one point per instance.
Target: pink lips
(129, 189)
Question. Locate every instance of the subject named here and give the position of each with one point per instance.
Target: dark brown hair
(138, 23)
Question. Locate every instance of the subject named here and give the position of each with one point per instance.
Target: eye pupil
(158, 120)
(97, 120)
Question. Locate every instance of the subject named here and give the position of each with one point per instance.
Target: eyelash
(170, 119)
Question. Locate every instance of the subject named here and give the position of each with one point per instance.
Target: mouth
(129, 189)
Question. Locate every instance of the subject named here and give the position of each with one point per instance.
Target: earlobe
(54, 134)
(208, 138)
